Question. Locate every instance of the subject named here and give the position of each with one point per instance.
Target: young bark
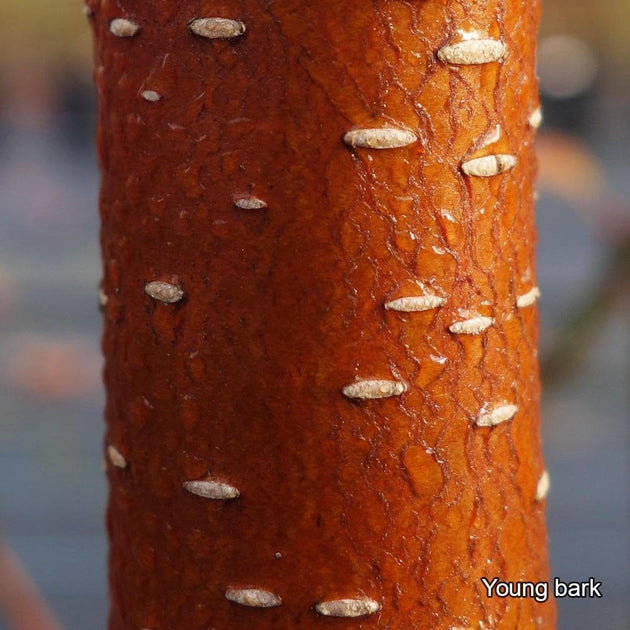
(319, 294)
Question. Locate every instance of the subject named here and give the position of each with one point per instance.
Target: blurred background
(52, 490)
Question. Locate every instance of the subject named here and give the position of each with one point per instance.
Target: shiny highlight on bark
(494, 135)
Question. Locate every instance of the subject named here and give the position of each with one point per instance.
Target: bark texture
(354, 444)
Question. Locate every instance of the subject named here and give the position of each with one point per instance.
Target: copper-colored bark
(403, 500)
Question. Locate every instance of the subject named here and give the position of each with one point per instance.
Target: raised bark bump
(380, 138)
(473, 52)
(498, 415)
(415, 304)
(122, 27)
(216, 28)
(211, 489)
(535, 119)
(358, 607)
(164, 291)
(116, 458)
(250, 203)
(543, 486)
(103, 299)
(374, 389)
(471, 326)
(253, 597)
(151, 95)
(489, 165)
(529, 298)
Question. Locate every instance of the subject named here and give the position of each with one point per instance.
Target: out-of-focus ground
(52, 490)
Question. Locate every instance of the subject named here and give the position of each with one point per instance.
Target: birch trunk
(320, 321)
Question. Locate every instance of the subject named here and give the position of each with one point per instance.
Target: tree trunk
(321, 331)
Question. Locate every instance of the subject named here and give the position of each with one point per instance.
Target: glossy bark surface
(404, 500)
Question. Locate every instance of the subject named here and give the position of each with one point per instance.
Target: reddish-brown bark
(404, 500)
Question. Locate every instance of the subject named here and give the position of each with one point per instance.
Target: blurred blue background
(52, 489)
